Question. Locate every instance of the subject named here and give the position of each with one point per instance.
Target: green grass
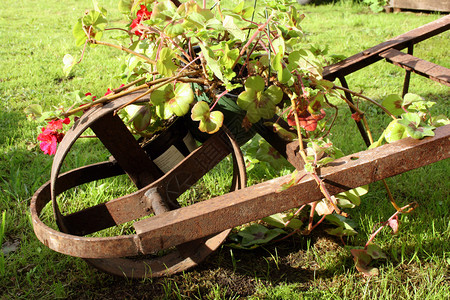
(36, 34)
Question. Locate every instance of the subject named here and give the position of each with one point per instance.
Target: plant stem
(319, 182)
(360, 112)
(92, 41)
(103, 100)
(217, 99)
(411, 205)
(365, 98)
(369, 134)
(392, 200)
(153, 88)
(118, 90)
(260, 28)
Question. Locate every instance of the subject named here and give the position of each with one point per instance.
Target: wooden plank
(419, 66)
(258, 201)
(369, 56)
(433, 5)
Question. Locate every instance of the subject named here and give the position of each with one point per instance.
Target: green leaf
(69, 62)
(280, 220)
(210, 122)
(258, 234)
(212, 61)
(341, 231)
(324, 207)
(244, 9)
(79, 34)
(184, 96)
(411, 122)
(375, 251)
(231, 27)
(97, 21)
(99, 8)
(351, 198)
(394, 132)
(393, 103)
(345, 225)
(362, 260)
(410, 98)
(33, 111)
(173, 30)
(325, 84)
(170, 101)
(422, 106)
(309, 167)
(306, 62)
(315, 103)
(439, 120)
(279, 46)
(281, 132)
(268, 154)
(289, 183)
(140, 115)
(283, 74)
(165, 64)
(227, 61)
(163, 11)
(259, 103)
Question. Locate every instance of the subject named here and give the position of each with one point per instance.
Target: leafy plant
(179, 53)
(376, 5)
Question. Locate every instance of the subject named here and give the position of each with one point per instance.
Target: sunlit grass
(33, 45)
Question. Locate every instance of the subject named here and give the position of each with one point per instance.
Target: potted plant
(187, 60)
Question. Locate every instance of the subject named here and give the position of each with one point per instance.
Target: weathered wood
(258, 201)
(370, 56)
(433, 5)
(419, 66)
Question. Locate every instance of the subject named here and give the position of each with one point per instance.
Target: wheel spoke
(113, 133)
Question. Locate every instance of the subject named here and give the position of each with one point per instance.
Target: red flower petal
(306, 120)
(49, 145)
(109, 91)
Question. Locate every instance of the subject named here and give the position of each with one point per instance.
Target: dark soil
(237, 272)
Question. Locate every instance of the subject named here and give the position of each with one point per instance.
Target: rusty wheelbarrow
(176, 238)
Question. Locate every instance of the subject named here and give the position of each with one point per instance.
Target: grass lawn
(36, 34)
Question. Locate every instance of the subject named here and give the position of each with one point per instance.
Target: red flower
(48, 143)
(141, 15)
(90, 94)
(109, 91)
(306, 119)
(51, 135)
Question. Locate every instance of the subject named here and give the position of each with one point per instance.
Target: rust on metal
(360, 60)
(189, 234)
(419, 66)
(211, 216)
(258, 201)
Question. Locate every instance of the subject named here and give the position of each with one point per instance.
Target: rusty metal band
(203, 158)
